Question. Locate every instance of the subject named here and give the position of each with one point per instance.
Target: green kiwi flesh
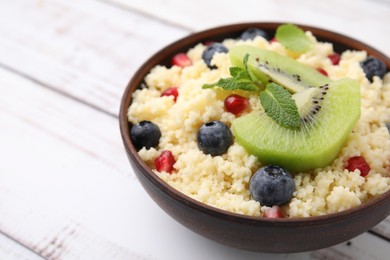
(269, 66)
(319, 140)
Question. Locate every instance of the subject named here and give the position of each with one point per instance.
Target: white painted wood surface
(66, 187)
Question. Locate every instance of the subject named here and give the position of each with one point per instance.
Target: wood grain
(64, 161)
(383, 229)
(355, 249)
(53, 236)
(364, 20)
(9, 249)
(87, 50)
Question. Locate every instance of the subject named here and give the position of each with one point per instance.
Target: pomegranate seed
(164, 162)
(235, 104)
(208, 43)
(334, 58)
(322, 71)
(358, 162)
(274, 212)
(172, 91)
(273, 40)
(181, 60)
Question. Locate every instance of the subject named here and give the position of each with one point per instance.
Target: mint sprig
(232, 84)
(242, 78)
(293, 38)
(275, 99)
(280, 106)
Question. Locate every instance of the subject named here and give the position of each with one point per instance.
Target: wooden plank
(357, 248)
(85, 49)
(383, 229)
(364, 20)
(67, 191)
(9, 249)
(59, 157)
(53, 236)
(64, 174)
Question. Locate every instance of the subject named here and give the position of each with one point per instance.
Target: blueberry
(251, 33)
(209, 52)
(214, 138)
(145, 134)
(373, 67)
(272, 185)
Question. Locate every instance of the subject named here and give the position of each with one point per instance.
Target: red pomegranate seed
(322, 71)
(208, 43)
(274, 212)
(164, 162)
(172, 91)
(181, 60)
(358, 162)
(235, 104)
(334, 58)
(273, 40)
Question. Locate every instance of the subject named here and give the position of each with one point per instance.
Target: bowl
(246, 232)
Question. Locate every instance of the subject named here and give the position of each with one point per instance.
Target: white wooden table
(66, 188)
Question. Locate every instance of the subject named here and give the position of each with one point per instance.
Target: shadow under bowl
(236, 230)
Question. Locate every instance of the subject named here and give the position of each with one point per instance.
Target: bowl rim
(166, 190)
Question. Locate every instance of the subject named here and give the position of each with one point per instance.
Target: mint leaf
(293, 38)
(234, 71)
(242, 78)
(239, 74)
(232, 84)
(280, 106)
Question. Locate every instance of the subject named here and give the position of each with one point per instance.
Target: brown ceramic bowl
(246, 232)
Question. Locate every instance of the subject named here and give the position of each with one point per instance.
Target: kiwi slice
(269, 66)
(328, 115)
